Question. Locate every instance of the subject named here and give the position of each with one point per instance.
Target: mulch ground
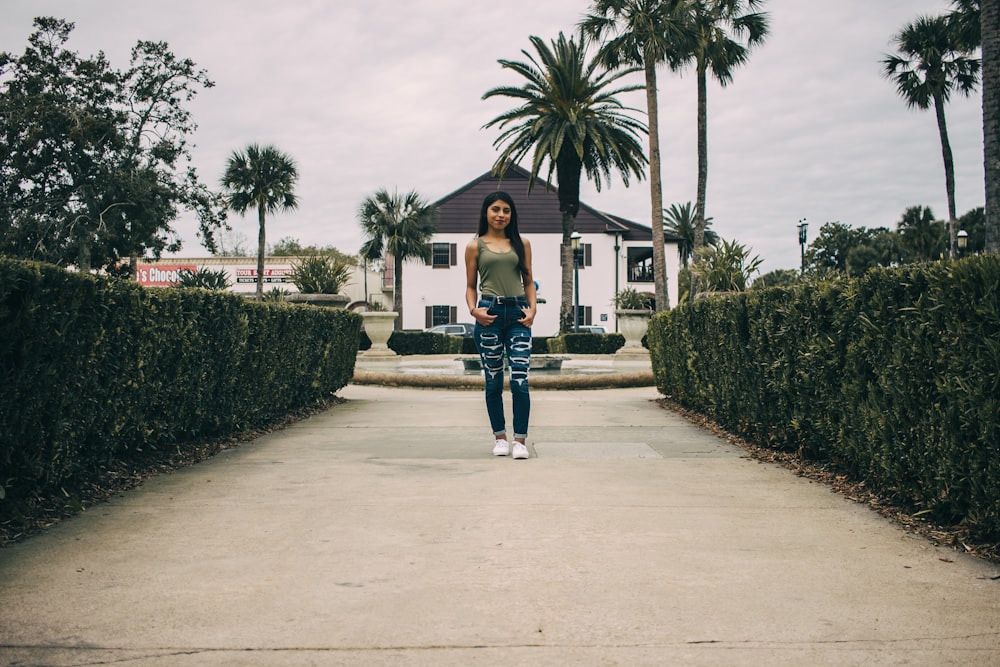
(910, 518)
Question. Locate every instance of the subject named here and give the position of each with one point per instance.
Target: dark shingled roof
(537, 212)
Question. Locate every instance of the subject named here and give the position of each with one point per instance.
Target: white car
(454, 329)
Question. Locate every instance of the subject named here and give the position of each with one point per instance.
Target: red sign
(161, 275)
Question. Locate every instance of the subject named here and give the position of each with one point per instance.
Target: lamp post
(802, 245)
(574, 243)
(962, 238)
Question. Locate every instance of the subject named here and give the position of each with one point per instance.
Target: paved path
(382, 532)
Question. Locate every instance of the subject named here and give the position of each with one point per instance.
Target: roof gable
(537, 211)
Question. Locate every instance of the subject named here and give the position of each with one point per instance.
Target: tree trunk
(397, 290)
(566, 286)
(699, 207)
(949, 176)
(261, 246)
(990, 27)
(655, 185)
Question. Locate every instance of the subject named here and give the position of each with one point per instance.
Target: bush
(585, 343)
(99, 371)
(894, 376)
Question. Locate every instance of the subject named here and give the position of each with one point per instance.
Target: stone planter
(379, 326)
(326, 300)
(633, 325)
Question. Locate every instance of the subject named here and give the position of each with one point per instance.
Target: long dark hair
(510, 231)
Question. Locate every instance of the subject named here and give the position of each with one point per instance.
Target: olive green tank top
(498, 274)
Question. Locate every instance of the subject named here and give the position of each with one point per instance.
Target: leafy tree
(94, 162)
(571, 119)
(932, 63)
(260, 177)
(292, 247)
(715, 30)
(642, 33)
(401, 226)
(923, 238)
(727, 267)
(680, 222)
(840, 248)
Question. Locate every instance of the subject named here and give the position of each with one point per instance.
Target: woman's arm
(481, 315)
(529, 288)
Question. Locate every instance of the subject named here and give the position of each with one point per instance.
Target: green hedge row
(894, 376)
(586, 343)
(97, 371)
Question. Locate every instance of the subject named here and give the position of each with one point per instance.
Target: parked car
(463, 329)
(592, 328)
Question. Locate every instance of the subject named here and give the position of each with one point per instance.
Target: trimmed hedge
(894, 376)
(100, 371)
(585, 343)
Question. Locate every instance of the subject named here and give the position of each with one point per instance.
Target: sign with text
(161, 275)
(275, 275)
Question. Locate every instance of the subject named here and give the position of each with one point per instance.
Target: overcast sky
(384, 93)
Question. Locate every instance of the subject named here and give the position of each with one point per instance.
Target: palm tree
(679, 222)
(641, 33)
(401, 226)
(931, 64)
(264, 178)
(921, 235)
(715, 28)
(989, 39)
(571, 118)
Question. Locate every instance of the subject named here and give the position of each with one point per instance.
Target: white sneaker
(501, 448)
(520, 451)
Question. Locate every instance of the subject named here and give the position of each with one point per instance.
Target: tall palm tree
(641, 33)
(989, 24)
(400, 225)
(264, 178)
(721, 35)
(930, 65)
(572, 120)
(679, 222)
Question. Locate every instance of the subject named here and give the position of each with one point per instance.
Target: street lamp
(574, 243)
(802, 244)
(963, 240)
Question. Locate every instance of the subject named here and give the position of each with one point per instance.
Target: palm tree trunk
(261, 245)
(566, 286)
(397, 290)
(990, 27)
(949, 176)
(655, 184)
(699, 206)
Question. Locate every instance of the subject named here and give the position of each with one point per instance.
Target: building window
(444, 255)
(435, 315)
(584, 256)
(640, 265)
(584, 316)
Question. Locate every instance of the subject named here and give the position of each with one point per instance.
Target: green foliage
(424, 342)
(104, 371)
(320, 274)
(679, 221)
(585, 343)
(204, 278)
(292, 247)
(777, 278)
(894, 376)
(726, 267)
(94, 161)
(630, 299)
(850, 251)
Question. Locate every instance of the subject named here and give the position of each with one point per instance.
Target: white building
(617, 253)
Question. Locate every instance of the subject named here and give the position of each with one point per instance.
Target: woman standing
(500, 293)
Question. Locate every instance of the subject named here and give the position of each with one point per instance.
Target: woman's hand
(482, 315)
(529, 317)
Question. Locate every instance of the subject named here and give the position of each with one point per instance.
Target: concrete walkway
(382, 532)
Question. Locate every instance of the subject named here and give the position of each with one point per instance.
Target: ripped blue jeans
(505, 336)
